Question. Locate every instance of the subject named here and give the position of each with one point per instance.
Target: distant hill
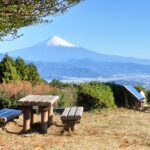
(57, 49)
(57, 58)
(88, 68)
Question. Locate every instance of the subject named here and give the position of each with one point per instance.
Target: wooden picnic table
(44, 103)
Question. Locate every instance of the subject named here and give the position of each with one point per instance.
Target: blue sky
(117, 27)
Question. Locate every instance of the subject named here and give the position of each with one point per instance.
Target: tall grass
(11, 92)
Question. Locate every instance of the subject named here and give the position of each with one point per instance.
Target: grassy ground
(107, 130)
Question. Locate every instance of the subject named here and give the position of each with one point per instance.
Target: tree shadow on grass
(2, 125)
(35, 128)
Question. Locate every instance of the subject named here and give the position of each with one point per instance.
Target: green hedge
(95, 95)
(118, 92)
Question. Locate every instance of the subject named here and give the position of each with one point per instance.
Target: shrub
(67, 97)
(95, 95)
(56, 83)
(5, 102)
(148, 96)
(118, 92)
(11, 92)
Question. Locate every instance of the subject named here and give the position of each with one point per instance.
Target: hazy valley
(56, 58)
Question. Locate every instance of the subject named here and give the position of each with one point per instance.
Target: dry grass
(107, 130)
(11, 89)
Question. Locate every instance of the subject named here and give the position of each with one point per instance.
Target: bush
(67, 97)
(118, 92)
(148, 96)
(8, 99)
(11, 92)
(95, 95)
(5, 102)
(56, 83)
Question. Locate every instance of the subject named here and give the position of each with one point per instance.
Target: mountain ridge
(51, 53)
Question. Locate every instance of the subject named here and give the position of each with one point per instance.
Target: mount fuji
(56, 49)
(57, 41)
(56, 58)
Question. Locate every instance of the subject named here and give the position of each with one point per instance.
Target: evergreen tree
(8, 70)
(32, 73)
(11, 70)
(21, 68)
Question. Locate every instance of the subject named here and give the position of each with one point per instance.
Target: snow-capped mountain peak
(57, 41)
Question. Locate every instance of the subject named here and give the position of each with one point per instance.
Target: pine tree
(8, 70)
(32, 73)
(21, 68)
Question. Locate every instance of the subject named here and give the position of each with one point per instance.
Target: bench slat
(9, 114)
(78, 113)
(5, 112)
(12, 112)
(72, 113)
(65, 113)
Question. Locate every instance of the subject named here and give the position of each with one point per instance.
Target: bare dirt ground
(107, 130)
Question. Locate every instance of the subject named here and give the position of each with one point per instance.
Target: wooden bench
(9, 114)
(71, 116)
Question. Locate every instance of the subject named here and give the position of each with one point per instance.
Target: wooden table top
(37, 100)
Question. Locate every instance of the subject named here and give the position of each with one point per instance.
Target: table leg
(26, 119)
(72, 127)
(50, 115)
(33, 117)
(44, 120)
